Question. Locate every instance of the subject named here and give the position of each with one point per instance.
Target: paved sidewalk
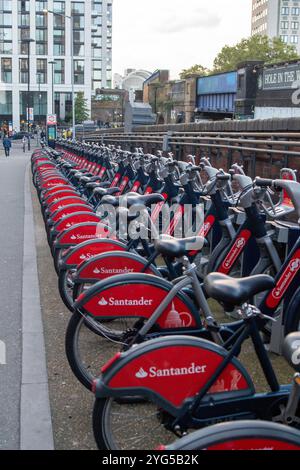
(12, 176)
(21, 423)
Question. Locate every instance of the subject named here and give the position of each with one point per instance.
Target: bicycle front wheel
(118, 425)
(90, 343)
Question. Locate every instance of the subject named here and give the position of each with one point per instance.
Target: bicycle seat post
(190, 270)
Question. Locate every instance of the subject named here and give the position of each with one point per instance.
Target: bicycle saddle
(233, 292)
(106, 191)
(92, 185)
(291, 350)
(176, 247)
(147, 200)
(132, 199)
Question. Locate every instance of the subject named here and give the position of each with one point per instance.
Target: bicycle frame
(203, 408)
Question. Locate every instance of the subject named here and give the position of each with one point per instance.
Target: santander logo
(287, 278)
(141, 374)
(236, 249)
(104, 270)
(205, 229)
(112, 301)
(85, 256)
(153, 371)
(82, 236)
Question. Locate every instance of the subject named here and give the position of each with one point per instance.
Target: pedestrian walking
(7, 145)
(24, 141)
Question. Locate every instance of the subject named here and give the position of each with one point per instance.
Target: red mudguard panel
(59, 195)
(163, 367)
(87, 250)
(112, 263)
(53, 182)
(254, 444)
(67, 210)
(81, 233)
(138, 299)
(66, 201)
(75, 219)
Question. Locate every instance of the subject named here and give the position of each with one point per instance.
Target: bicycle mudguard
(139, 295)
(88, 249)
(240, 435)
(59, 195)
(112, 263)
(55, 181)
(75, 219)
(67, 210)
(66, 201)
(47, 192)
(43, 165)
(80, 233)
(171, 371)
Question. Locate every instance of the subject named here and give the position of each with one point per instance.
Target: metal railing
(280, 149)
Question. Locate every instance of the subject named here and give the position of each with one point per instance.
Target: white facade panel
(32, 15)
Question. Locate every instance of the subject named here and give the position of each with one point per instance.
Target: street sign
(29, 114)
(51, 120)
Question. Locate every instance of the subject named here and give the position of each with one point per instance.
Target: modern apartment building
(48, 25)
(277, 18)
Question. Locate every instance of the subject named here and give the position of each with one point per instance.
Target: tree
(81, 110)
(256, 47)
(195, 69)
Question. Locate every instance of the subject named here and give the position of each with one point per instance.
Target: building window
(5, 103)
(5, 5)
(24, 19)
(38, 101)
(295, 11)
(41, 5)
(23, 70)
(77, 8)
(294, 39)
(97, 7)
(59, 7)
(59, 42)
(78, 28)
(79, 72)
(59, 71)
(5, 19)
(41, 69)
(285, 10)
(6, 70)
(284, 38)
(295, 25)
(23, 6)
(284, 25)
(78, 37)
(5, 40)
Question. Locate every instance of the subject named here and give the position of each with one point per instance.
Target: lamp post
(52, 63)
(40, 96)
(28, 42)
(71, 18)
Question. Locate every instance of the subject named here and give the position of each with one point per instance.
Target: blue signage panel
(221, 83)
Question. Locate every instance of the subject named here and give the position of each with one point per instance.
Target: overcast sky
(175, 34)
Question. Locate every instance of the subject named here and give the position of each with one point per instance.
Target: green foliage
(81, 110)
(256, 47)
(195, 69)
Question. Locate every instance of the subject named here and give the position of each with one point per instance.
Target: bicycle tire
(241, 435)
